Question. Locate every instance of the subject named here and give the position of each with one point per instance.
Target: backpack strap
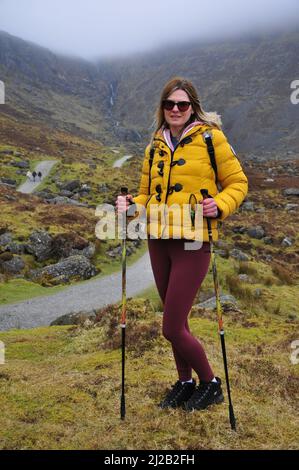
(207, 136)
(211, 151)
(150, 162)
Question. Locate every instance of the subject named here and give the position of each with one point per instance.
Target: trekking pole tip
(122, 408)
(232, 418)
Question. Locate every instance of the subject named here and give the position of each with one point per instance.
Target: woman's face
(176, 118)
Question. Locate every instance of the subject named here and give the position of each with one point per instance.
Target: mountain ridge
(113, 100)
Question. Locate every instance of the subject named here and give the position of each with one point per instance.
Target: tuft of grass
(238, 289)
(268, 281)
(277, 309)
(15, 290)
(153, 297)
(283, 274)
(247, 268)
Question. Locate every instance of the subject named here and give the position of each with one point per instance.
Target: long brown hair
(178, 83)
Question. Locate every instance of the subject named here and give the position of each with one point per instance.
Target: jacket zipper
(172, 153)
(168, 182)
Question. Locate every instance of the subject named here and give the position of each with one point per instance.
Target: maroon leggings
(178, 274)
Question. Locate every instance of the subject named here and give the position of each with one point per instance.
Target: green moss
(16, 290)
(30, 344)
(153, 296)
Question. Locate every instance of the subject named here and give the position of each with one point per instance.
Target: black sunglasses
(182, 105)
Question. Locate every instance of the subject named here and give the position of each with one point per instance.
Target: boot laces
(201, 391)
(175, 391)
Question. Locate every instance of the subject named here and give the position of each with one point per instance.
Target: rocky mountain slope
(246, 80)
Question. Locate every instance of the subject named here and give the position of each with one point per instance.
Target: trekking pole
(232, 419)
(124, 192)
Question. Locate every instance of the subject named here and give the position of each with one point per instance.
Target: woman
(177, 165)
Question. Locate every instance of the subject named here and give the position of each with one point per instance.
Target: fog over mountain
(247, 80)
(94, 29)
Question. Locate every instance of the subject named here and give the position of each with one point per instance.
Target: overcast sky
(96, 28)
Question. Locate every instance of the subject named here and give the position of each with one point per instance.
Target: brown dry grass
(61, 387)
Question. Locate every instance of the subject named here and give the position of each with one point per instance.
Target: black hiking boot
(204, 395)
(178, 395)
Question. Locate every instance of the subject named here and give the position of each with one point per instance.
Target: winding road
(87, 296)
(118, 163)
(84, 297)
(45, 168)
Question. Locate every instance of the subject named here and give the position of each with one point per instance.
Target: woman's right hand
(122, 202)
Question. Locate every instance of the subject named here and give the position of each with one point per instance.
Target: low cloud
(93, 28)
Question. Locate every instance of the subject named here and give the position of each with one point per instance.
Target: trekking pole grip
(205, 195)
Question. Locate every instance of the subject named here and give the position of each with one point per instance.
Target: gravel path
(45, 168)
(118, 163)
(84, 297)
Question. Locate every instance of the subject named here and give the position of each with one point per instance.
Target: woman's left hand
(209, 207)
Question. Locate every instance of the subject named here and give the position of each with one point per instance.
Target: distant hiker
(29, 175)
(187, 148)
(39, 174)
(34, 175)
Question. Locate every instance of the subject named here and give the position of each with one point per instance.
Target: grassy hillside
(60, 386)
(84, 160)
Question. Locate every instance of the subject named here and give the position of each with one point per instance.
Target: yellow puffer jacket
(193, 173)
